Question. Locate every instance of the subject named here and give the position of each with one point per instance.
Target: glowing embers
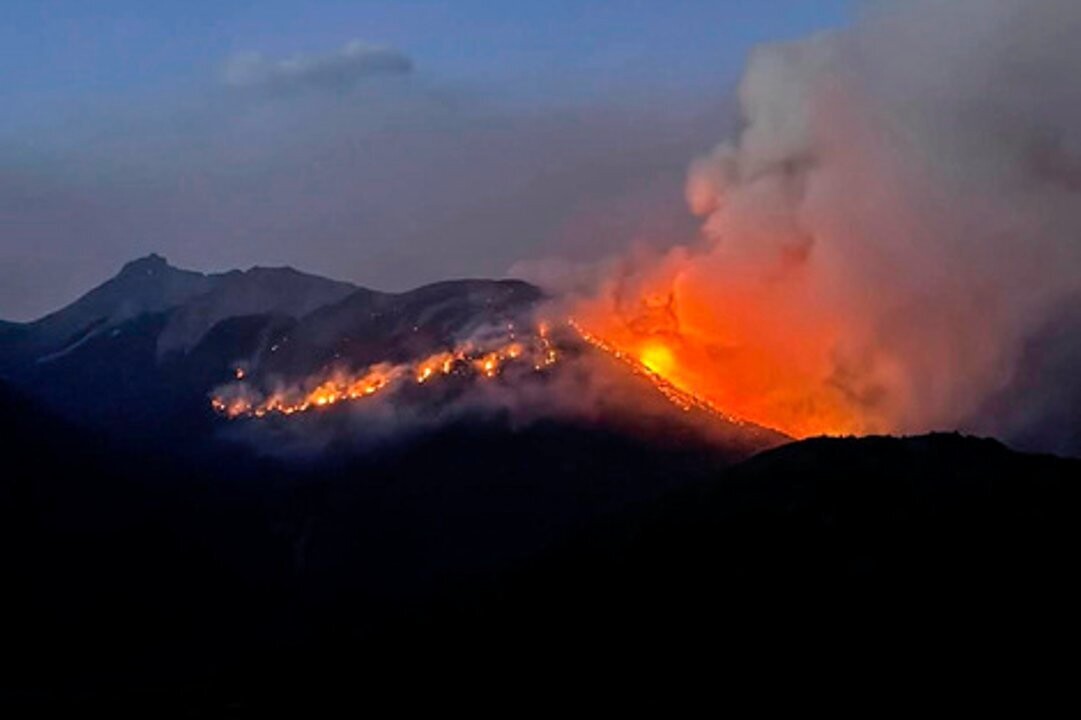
(436, 365)
(481, 359)
(652, 362)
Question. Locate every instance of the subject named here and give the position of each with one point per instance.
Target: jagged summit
(146, 265)
(280, 291)
(144, 286)
(156, 336)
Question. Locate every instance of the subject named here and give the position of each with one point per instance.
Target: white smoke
(915, 179)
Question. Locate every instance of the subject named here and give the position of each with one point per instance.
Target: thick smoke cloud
(896, 223)
(335, 71)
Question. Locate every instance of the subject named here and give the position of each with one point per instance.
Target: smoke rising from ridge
(897, 218)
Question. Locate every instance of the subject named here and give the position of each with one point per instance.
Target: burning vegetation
(884, 243)
(480, 359)
(763, 368)
(654, 362)
(533, 352)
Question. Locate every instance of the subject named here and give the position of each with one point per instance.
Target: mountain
(194, 302)
(369, 327)
(147, 285)
(485, 550)
(876, 548)
(259, 291)
(149, 568)
(571, 517)
(118, 356)
(139, 357)
(162, 544)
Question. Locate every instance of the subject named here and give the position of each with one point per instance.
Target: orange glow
(488, 365)
(658, 358)
(438, 364)
(689, 353)
(682, 398)
(241, 400)
(758, 357)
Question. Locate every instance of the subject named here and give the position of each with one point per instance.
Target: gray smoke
(894, 237)
(923, 171)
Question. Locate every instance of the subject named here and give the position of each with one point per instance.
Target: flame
(658, 358)
(760, 361)
(438, 364)
(683, 398)
(240, 399)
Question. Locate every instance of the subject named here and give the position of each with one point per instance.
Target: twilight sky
(388, 143)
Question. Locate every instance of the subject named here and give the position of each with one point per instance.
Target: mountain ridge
(151, 284)
(140, 567)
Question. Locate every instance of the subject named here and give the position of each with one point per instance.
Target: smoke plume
(897, 220)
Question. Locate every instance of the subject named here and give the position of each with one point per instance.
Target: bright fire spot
(488, 365)
(682, 398)
(767, 370)
(657, 358)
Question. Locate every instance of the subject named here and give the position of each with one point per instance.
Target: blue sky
(521, 130)
(59, 52)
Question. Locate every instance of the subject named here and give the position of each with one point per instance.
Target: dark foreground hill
(887, 535)
(137, 570)
(482, 553)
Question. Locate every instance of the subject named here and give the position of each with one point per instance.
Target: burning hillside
(655, 363)
(875, 254)
(887, 244)
(483, 359)
(768, 370)
(509, 355)
(888, 235)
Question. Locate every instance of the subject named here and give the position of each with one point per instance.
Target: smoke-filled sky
(892, 239)
(388, 143)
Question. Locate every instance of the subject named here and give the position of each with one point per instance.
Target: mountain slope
(117, 357)
(145, 286)
(369, 327)
(233, 577)
(138, 568)
(148, 377)
(825, 542)
(259, 291)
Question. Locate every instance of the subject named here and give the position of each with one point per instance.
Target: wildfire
(239, 399)
(651, 363)
(765, 368)
(438, 364)
(657, 356)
